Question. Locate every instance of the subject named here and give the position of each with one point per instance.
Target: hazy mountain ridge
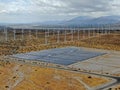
(81, 20)
(93, 21)
(87, 20)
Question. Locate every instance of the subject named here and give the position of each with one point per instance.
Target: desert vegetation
(116, 87)
(109, 42)
(16, 76)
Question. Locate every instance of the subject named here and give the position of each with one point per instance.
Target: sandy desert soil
(109, 42)
(14, 76)
(116, 87)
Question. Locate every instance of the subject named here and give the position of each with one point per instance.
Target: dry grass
(109, 42)
(116, 87)
(27, 77)
(31, 43)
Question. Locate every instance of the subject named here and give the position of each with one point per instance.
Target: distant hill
(51, 22)
(81, 20)
(93, 21)
(85, 20)
(78, 20)
(106, 20)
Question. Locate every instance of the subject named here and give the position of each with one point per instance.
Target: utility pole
(36, 34)
(14, 34)
(78, 35)
(6, 33)
(46, 37)
(109, 29)
(58, 36)
(72, 35)
(22, 34)
(65, 36)
(83, 34)
(30, 34)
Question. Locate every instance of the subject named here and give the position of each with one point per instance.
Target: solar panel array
(63, 56)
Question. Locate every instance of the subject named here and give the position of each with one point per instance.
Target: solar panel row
(64, 56)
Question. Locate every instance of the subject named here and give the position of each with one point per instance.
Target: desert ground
(109, 42)
(16, 76)
(22, 76)
(105, 64)
(116, 87)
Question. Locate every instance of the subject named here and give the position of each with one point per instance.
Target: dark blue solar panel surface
(64, 56)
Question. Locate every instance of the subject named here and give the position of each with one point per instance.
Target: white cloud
(18, 6)
(57, 9)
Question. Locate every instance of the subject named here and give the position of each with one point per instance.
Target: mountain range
(93, 21)
(87, 20)
(81, 20)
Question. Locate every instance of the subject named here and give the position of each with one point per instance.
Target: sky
(28, 11)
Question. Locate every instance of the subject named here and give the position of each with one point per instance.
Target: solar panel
(64, 56)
